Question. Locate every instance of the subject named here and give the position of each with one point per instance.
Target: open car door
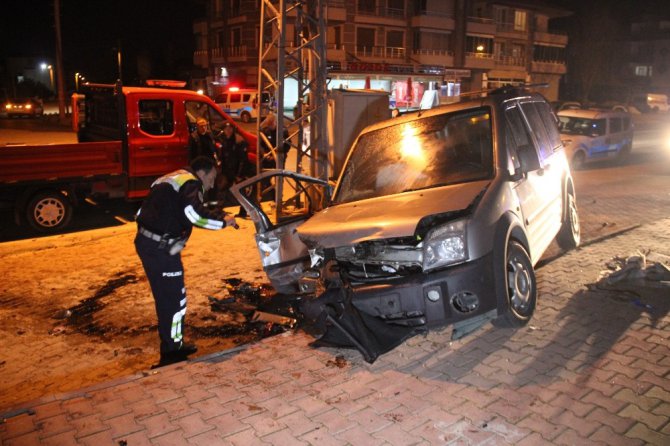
(283, 255)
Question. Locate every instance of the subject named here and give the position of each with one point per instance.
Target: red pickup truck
(128, 136)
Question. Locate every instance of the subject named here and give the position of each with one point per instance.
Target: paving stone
(123, 425)
(157, 425)
(618, 423)
(643, 416)
(642, 432)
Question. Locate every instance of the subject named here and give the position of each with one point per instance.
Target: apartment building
(402, 46)
(647, 69)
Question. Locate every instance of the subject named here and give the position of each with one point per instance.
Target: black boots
(175, 356)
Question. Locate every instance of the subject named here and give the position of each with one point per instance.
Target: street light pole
(59, 64)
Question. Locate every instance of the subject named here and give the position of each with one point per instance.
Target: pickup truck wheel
(49, 211)
(520, 287)
(245, 117)
(569, 235)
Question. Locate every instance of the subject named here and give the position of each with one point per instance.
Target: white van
(592, 135)
(243, 104)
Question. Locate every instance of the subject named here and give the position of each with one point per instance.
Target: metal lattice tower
(302, 58)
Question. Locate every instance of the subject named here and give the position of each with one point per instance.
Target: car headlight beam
(445, 245)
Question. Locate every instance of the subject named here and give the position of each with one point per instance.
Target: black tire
(245, 117)
(570, 236)
(578, 161)
(520, 287)
(624, 154)
(48, 211)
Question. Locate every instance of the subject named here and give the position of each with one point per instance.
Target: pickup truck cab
(438, 217)
(128, 137)
(595, 135)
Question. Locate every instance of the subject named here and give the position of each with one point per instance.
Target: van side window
(235, 97)
(615, 125)
(520, 137)
(221, 99)
(156, 117)
(545, 137)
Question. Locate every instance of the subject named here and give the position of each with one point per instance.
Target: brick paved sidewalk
(592, 367)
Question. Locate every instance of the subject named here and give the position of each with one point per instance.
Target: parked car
(243, 104)
(565, 105)
(438, 217)
(593, 135)
(23, 107)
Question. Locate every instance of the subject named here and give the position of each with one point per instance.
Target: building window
(432, 41)
(395, 39)
(643, 70)
(234, 8)
(365, 38)
(220, 39)
(477, 45)
(236, 37)
(543, 53)
(367, 6)
(519, 20)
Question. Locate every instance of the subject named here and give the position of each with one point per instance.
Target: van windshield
(427, 152)
(581, 126)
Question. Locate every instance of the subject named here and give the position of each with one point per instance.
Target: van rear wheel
(48, 211)
(569, 235)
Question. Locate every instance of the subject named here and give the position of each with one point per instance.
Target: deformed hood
(384, 217)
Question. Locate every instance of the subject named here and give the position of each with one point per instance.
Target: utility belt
(173, 245)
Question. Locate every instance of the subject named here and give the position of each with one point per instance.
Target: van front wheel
(520, 287)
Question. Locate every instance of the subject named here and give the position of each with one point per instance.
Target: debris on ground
(650, 268)
(340, 362)
(642, 279)
(257, 309)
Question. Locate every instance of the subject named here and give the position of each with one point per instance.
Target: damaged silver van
(438, 217)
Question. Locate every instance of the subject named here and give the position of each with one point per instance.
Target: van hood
(384, 217)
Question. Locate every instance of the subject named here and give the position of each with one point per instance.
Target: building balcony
(479, 60)
(510, 62)
(550, 38)
(201, 59)
(381, 16)
(507, 30)
(336, 11)
(481, 25)
(549, 67)
(336, 52)
(380, 53)
(433, 57)
(434, 20)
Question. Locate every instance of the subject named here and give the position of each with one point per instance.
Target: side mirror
(527, 162)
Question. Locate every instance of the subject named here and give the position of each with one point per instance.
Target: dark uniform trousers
(166, 278)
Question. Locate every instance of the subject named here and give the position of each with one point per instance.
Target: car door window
(520, 137)
(156, 117)
(545, 139)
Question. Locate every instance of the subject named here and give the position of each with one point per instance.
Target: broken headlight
(445, 245)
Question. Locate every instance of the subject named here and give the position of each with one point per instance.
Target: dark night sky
(161, 30)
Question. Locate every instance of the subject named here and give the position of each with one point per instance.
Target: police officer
(164, 224)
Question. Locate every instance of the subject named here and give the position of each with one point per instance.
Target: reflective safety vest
(176, 179)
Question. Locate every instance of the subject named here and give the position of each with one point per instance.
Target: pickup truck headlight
(445, 245)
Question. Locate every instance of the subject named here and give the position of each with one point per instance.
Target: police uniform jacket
(175, 205)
